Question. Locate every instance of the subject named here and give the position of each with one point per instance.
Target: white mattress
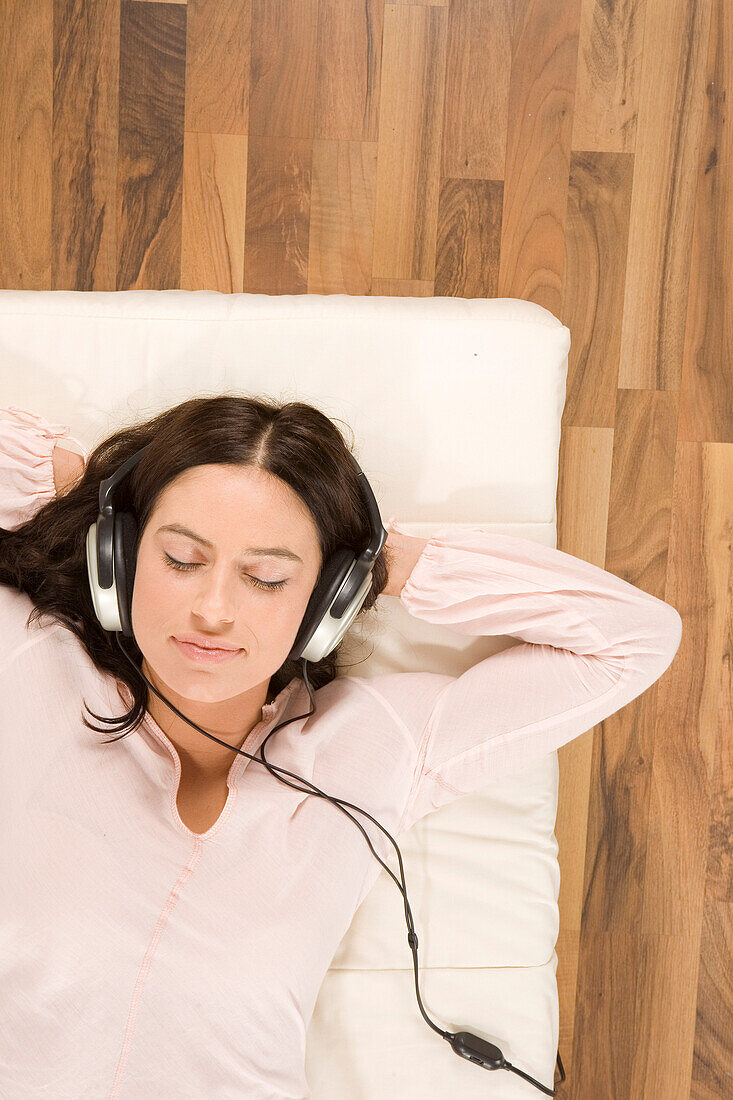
(456, 406)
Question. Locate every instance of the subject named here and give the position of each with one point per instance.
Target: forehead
(246, 503)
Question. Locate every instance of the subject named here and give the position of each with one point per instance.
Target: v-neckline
(270, 713)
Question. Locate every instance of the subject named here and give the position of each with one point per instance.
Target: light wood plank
(410, 132)
(662, 203)
(343, 196)
(706, 401)
(478, 68)
(26, 149)
(214, 212)
(610, 51)
(536, 174)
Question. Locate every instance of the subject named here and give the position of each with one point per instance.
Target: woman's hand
(403, 552)
(67, 469)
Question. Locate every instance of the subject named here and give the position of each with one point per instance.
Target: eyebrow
(252, 551)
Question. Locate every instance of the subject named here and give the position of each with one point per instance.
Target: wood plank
(539, 126)
(214, 212)
(343, 197)
(688, 887)
(283, 70)
(26, 145)
(85, 139)
(278, 215)
(410, 131)
(706, 400)
(610, 51)
(478, 68)
(150, 165)
(596, 241)
(662, 204)
(218, 51)
(468, 238)
(349, 60)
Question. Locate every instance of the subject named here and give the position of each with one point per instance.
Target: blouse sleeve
(591, 643)
(27, 441)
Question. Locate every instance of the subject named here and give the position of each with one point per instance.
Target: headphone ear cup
(125, 563)
(321, 599)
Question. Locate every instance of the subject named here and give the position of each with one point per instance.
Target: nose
(215, 600)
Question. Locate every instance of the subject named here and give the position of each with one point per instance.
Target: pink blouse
(139, 959)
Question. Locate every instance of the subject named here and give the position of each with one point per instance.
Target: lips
(205, 656)
(205, 643)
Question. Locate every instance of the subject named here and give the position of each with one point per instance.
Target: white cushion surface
(455, 405)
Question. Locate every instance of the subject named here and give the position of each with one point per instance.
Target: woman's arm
(67, 468)
(593, 642)
(404, 553)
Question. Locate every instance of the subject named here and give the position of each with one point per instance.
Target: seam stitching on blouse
(144, 969)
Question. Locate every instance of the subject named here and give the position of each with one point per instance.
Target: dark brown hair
(46, 557)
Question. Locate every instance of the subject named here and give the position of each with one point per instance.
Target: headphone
(336, 600)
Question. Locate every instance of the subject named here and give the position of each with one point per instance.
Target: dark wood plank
(150, 158)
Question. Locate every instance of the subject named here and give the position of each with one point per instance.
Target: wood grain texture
(706, 400)
(537, 166)
(596, 238)
(663, 200)
(218, 51)
(610, 54)
(579, 155)
(26, 120)
(410, 131)
(150, 148)
(84, 139)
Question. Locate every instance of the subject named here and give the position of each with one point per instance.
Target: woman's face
(235, 509)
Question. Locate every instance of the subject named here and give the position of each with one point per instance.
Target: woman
(172, 907)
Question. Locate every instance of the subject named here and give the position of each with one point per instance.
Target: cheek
(155, 600)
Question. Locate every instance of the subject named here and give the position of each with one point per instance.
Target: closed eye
(174, 564)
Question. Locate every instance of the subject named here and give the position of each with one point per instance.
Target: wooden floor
(575, 153)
